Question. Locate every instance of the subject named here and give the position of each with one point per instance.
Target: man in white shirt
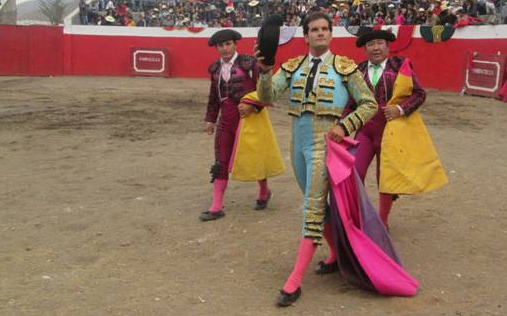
(319, 85)
(380, 72)
(232, 77)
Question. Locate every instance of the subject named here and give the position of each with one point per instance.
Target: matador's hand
(391, 113)
(245, 109)
(336, 133)
(210, 128)
(260, 60)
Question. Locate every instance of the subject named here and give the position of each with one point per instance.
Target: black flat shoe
(326, 268)
(211, 216)
(285, 299)
(260, 204)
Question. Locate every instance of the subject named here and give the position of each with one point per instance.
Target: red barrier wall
(31, 50)
(14, 50)
(40, 50)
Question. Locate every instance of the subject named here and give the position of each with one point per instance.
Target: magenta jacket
(384, 90)
(244, 74)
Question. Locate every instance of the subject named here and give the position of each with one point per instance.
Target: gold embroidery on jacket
(293, 64)
(324, 96)
(297, 96)
(299, 84)
(326, 83)
(343, 65)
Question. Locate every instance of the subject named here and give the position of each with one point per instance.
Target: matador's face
(377, 50)
(226, 49)
(319, 35)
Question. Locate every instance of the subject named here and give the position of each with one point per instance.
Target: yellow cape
(409, 163)
(256, 154)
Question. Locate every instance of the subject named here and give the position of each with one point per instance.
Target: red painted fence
(107, 51)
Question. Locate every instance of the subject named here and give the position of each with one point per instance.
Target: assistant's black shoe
(326, 268)
(211, 216)
(260, 204)
(285, 299)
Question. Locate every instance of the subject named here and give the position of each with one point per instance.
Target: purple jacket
(244, 74)
(384, 90)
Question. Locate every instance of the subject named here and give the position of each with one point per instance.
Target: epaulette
(293, 64)
(214, 67)
(344, 65)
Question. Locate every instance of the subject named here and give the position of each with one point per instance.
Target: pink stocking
(219, 186)
(332, 256)
(385, 201)
(305, 255)
(263, 190)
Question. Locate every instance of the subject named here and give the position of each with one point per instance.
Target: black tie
(311, 75)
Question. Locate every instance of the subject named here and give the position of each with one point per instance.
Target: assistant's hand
(391, 113)
(245, 110)
(336, 133)
(260, 60)
(210, 128)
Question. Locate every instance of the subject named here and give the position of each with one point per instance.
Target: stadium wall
(107, 51)
(31, 50)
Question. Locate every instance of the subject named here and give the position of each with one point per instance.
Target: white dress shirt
(322, 58)
(371, 69)
(225, 70)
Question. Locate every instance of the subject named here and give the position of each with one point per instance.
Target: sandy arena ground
(102, 181)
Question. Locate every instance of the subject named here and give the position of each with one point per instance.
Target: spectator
(250, 13)
(379, 19)
(421, 17)
(463, 19)
(470, 8)
(110, 5)
(83, 12)
(93, 12)
(400, 17)
(141, 20)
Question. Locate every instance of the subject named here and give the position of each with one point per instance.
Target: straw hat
(444, 6)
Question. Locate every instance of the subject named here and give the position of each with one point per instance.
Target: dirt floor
(103, 179)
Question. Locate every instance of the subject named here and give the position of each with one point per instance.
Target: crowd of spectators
(243, 13)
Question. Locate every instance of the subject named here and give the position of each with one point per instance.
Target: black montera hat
(268, 38)
(376, 34)
(224, 35)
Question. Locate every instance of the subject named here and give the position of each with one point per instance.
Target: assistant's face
(319, 35)
(226, 49)
(377, 50)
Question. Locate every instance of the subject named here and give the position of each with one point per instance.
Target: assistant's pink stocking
(385, 203)
(263, 190)
(219, 186)
(305, 255)
(333, 255)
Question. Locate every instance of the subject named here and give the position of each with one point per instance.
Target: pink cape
(366, 255)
